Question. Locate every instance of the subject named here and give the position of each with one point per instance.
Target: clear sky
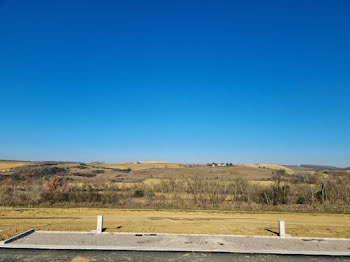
(188, 81)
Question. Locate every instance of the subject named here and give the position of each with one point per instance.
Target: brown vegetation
(196, 187)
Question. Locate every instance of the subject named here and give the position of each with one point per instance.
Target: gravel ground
(181, 242)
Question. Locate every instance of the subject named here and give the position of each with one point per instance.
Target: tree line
(301, 191)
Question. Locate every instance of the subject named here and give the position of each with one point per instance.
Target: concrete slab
(183, 242)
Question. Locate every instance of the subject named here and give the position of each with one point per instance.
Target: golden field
(267, 166)
(7, 165)
(141, 165)
(173, 221)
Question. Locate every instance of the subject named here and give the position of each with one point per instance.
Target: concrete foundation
(183, 242)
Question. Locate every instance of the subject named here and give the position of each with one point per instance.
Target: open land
(174, 221)
(162, 197)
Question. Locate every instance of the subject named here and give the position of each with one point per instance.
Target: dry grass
(224, 173)
(212, 222)
(152, 181)
(274, 167)
(263, 183)
(83, 259)
(7, 165)
(11, 231)
(142, 165)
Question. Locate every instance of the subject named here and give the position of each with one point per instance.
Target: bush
(98, 171)
(301, 200)
(82, 167)
(35, 172)
(123, 170)
(84, 174)
(55, 184)
(139, 193)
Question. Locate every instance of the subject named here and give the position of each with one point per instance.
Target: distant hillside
(268, 166)
(6, 165)
(319, 167)
(141, 165)
(305, 167)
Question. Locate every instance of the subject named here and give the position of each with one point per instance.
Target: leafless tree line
(186, 192)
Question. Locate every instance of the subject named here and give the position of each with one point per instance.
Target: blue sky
(187, 81)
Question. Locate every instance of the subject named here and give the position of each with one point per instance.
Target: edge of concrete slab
(11, 239)
(6, 244)
(176, 234)
(155, 249)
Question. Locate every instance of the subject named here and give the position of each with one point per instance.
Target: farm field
(273, 167)
(173, 221)
(7, 165)
(133, 172)
(141, 165)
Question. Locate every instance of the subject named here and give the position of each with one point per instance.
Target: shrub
(84, 174)
(139, 193)
(98, 171)
(54, 184)
(301, 200)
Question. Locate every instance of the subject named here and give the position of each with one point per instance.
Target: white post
(281, 228)
(99, 224)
